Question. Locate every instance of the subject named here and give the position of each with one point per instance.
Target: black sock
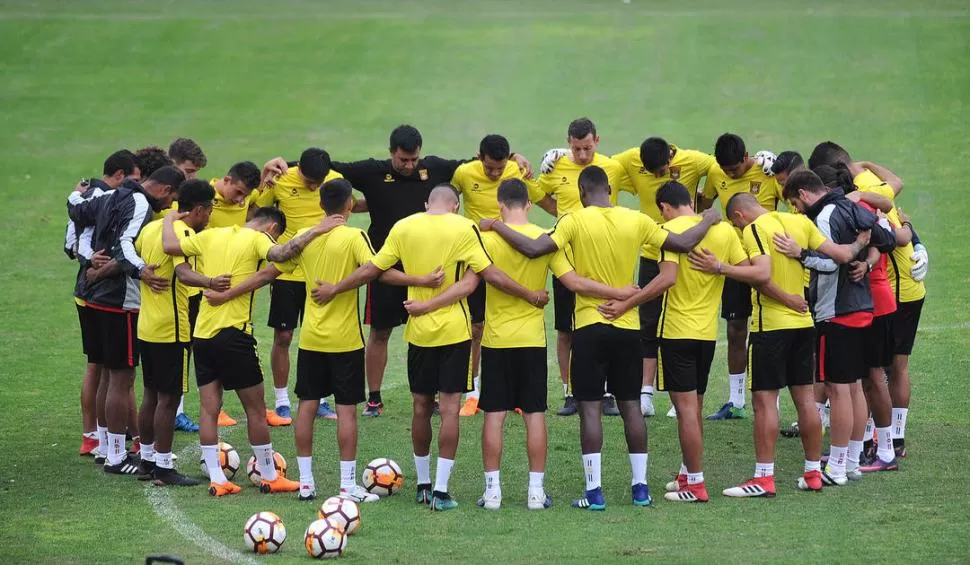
(439, 494)
(374, 397)
(867, 445)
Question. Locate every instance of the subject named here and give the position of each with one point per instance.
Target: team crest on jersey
(723, 185)
(423, 174)
(388, 178)
(755, 187)
(675, 173)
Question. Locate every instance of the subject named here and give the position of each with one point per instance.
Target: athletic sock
(210, 454)
(695, 478)
(164, 460)
(102, 432)
(282, 397)
(116, 448)
(147, 451)
(422, 465)
(181, 408)
(476, 382)
(537, 481)
(265, 465)
(812, 466)
(374, 397)
(683, 469)
(852, 456)
(870, 430)
(899, 422)
(493, 486)
(737, 389)
(306, 472)
(591, 467)
(648, 390)
(348, 474)
(565, 390)
(885, 449)
(638, 464)
(442, 474)
(764, 470)
(837, 459)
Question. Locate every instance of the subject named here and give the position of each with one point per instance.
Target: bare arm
(531, 248)
(845, 253)
(549, 205)
(188, 276)
(755, 273)
(360, 205)
(659, 285)
(795, 302)
(255, 281)
(452, 295)
(170, 241)
(877, 201)
(293, 247)
(495, 277)
(594, 289)
(398, 278)
(324, 292)
(884, 174)
(684, 242)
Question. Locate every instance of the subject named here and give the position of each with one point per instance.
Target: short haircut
(594, 179)
(150, 159)
(740, 201)
(444, 190)
(513, 193)
(246, 172)
(168, 175)
(802, 180)
(315, 164)
(406, 138)
(654, 153)
(271, 214)
(495, 146)
(828, 153)
(786, 162)
(836, 176)
(729, 150)
(673, 194)
(195, 192)
(119, 161)
(185, 149)
(334, 195)
(580, 128)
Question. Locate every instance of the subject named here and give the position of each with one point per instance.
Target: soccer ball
(254, 476)
(382, 477)
(228, 460)
(324, 539)
(342, 512)
(264, 533)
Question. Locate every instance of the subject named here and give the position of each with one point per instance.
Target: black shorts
(446, 368)
(90, 343)
(781, 358)
(649, 311)
(476, 304)
(319, 374)
(514, 378)
(117, 335)
(839, 353)
(683, 365)
(604, 355)
(165, 367)
(195, 301)
(286, 301)
(905, 324)
(879, 342)
(564, 306)
(228, 357)
(735, 300)
(385, 306)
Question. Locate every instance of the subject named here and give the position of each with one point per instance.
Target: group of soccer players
(169, 267)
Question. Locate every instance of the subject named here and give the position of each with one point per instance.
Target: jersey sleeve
(669, 257)
(703, 163)
(564, 230)
(536, 193)
(710, 191)
(357, 172)
(472, 250)
(547, 184)
(362, 249)
(194, 244)
(650, 232)
(266, 197)
(753, 241)
(813, 235)
(262, 243)
(735, 251)
(560, 265)
(883, 190)
(390, 254)
(621, 180)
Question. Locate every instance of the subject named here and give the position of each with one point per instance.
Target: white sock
(116, 448)
(348, 474)
(638, 464)
(306, 471)
(164, 460)
(210, 454)
(812, 466)
(899, 422)
(181, 408)
(102, 439)
(683, 469)
(648, 390)
(147, 451)
(837, 459)
(852, 457)
(737, 389)
(870, 429)
(885, 449)
(565, 390)
(764, 469)
(493, 486)
(442, 474)
(536, 482)
(422, 465)
(282, 397)
(264, 461)
(591, 466)
(695, 478)
(476, 382)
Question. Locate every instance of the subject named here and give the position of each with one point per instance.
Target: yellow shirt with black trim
(234, 250)
(510, 321)
(421, 243)
(164, 316)
(479, 194)
(605, 244)
(192, 290)
(901, 259)
(767, 313)
(162, 213)
(300, 205)
(690, 306)
(335, 326)
(563, 182)
(766, 189)
(225, 214)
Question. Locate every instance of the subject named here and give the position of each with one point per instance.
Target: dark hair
(513, 193)
(580, 128)
(827, 153)
(594, 179)
(150, 159)
(315, 164)
(169, 175)
(802, 180)
(786, 162)
(334, 195)
(119, 161)
(185, 149)
(654, 153)
(406, 138)
(674, 194)
(729, 150)
(271, 214)
(195, 192)
(836, 176)
(247, 172)
(495, 146)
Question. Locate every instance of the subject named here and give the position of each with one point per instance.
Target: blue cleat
(641, 495)
(185, 424)
(324, 411)
(283, 411)
(728, 412)
(592, 500)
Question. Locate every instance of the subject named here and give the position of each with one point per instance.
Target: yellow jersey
(479, 194)
(766, 189)
(164, 316)
(687, 167)
(563, 182)
(226, 214)
(161, 214)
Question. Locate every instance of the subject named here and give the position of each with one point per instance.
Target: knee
(423, 407)
(282, 338)
(380, 337)
(737, 330)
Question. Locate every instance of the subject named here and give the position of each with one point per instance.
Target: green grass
(251, 80)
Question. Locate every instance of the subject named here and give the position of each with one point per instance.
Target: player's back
(786, 273)
(164, 315)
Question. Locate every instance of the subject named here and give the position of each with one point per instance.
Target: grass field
(251, 80)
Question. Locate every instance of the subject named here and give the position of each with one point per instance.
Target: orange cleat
(470, 408)
(280, 484)
(811, 481)
(225, 420)
(274, 419)
(88, 445)
(222, 489)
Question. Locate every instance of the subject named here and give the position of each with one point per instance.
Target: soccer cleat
(185, 424)
(424, 494)
(728, 412)
(490, 501)
(307, 492)
(373, 409)
(88, 445)
(324, 411)
(756, 487)
(899, 446)
(470, 408)
(222, 489)
(592, 500)
(279, 484)
(641, 494)
(679, 483)
(672, 413)
(569, 407)
(284, 411)
(830, 480)
(810, 481)
(135, 446)
(791, 431)
(690, 493)
(225, 420)
(146, 471)
(646, 405)
(539, 501)
(171, 477)
(128, 466)
(274, 419)
(609, 406)
(854, 474)
(99, 457)
(358, 494)
(878, 464)
(442, 501)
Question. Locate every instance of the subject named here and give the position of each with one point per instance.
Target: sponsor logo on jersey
(475, 187)
(388, 178)
(423, 174)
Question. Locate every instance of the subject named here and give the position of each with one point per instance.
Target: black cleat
(569, 407)
(128, 466)
(171, 477)
(145, 471)
(609, 406)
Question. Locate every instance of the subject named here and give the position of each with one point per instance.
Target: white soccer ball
(382, 477)
(228, 460)
(342, 512)
(324, 539)
(253, 473)
(765, 160)
(264, 533)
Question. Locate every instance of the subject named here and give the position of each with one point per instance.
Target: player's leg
(133, 427)
(624, 377)
(254, 404)
(170, 381)
(346, 374)
(422, 380)
(564, 305)
(649, 318)
(182, 420)
(531, 386)
(800, 371)
(860, 417)
(101, 418)
(146, 423)
(375, 365)
(311, 374)
(492, 459)
(120, 358)
(285, 309)
(453, 380)
(685, 366)
(588, 349)
(905, 324)
(735, 309)
(497, 398)
(89, 412)
(476, 309)
(384, 311)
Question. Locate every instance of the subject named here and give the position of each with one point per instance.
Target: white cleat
(646, 404)
(672, 413)
(358, 494)
(491, 502)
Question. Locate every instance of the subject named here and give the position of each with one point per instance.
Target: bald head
(443, 199)
(743, 208)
